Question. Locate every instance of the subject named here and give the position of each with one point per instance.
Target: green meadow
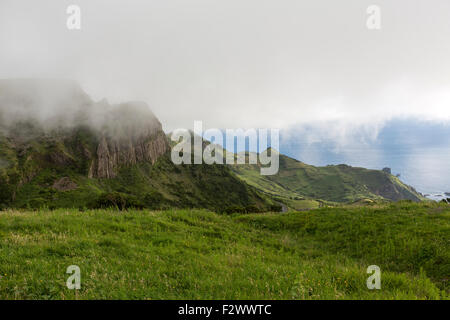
(198, 254)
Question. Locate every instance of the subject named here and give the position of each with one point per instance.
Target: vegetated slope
(60, 148)
(55, 171)
(99, 155)
(196, 254)
(296, 180)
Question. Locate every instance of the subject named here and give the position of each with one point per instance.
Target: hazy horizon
(241, 63)
(312, 69)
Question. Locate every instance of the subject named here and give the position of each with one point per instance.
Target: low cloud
(50, 104)
(243, 64)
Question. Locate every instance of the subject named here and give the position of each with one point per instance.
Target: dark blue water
(418, 151)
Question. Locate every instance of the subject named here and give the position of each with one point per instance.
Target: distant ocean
(418, 151)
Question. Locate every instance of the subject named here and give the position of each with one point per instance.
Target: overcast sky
(242, 63)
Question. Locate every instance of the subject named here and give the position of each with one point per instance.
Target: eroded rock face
(113, 154)
(133, 135)
(52, 113)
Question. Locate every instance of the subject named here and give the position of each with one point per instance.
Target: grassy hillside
(197, 254)
(96, 155)
(299, 184)
(52, 170)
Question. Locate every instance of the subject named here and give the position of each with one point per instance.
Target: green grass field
(197, 254)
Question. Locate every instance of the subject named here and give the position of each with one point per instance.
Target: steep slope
(88, 153)
(337, 183)
(59, 148)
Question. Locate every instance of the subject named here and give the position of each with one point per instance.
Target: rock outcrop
(54, 111)
(64, 184)
(130, 134)
(112, 154)
(58, 148)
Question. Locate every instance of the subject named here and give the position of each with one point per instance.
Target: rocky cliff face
(111, 154)
(58, 148)
(129, 134)
(52, 113)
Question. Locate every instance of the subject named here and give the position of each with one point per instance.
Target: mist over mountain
(47, 103)
(59, 147)
(236, 149)
(55, 104)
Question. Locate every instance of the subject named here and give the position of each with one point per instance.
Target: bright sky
(242, 63)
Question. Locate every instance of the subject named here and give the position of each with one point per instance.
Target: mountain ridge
(298, 182)
(80, 153)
